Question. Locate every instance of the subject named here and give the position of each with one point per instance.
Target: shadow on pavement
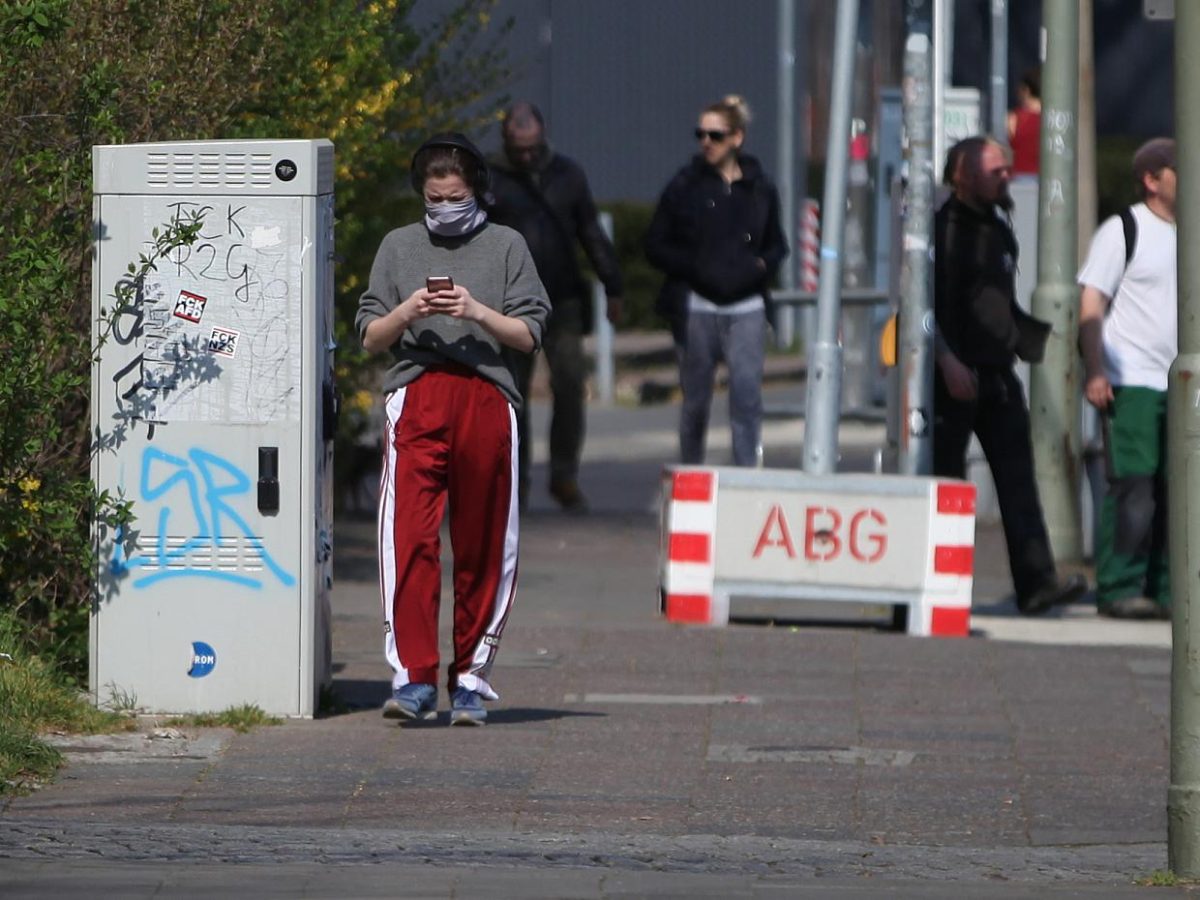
(355, 695)
(521, 714)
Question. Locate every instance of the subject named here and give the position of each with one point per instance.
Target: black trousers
(563, 345)
(999, 418)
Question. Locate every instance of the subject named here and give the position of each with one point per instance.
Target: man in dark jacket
(545, 196)
(980, 332)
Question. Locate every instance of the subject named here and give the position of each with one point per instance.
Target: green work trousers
(1131, 548)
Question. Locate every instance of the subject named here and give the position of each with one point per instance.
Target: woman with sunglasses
(716, 235)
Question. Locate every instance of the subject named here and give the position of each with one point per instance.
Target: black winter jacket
(975, 264)
(707, 236)
(552, 207)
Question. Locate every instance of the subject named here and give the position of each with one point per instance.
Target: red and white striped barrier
(810, 245)
(762, 533)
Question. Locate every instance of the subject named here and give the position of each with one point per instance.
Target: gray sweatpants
(740, 341)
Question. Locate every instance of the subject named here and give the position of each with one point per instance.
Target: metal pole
(860, 361)
(915, 357)
(999, 92)
(941, 34)
(1086, 146)
(1183, 466)
(825, 366)
(1092, 485)
(603, 329)
(786, 163)
(1054, 394)
(803, 319)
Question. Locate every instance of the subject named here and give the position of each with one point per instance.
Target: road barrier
(904, 541)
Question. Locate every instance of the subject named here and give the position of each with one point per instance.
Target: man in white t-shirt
(1127, 335)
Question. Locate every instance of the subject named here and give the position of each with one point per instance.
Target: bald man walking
(545, 196)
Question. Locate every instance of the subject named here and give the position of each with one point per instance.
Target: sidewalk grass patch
(240, 718)
(35, 698)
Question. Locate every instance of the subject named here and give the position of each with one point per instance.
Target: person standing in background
(1128, 335)
(545, 196)
(717, 237)
(980, 333)
(1025, 125)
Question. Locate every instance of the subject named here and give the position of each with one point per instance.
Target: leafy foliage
(33, 698)
(76, 73)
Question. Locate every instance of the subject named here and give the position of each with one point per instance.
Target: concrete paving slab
(1035, 753)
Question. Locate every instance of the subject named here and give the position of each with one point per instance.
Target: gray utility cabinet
(213, 411)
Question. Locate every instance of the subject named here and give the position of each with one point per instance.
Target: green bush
(75, 73)
(642, 281)
(1115, 187)
(34, 697)
(46, 499)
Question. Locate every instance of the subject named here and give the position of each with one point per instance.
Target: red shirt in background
(1026, 141)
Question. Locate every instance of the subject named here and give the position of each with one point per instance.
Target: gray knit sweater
(493, 263)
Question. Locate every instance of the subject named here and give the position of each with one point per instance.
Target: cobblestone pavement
(630, 757)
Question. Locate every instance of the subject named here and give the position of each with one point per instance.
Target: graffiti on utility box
(198, 524)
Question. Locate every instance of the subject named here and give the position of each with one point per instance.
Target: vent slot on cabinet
(216, 170)
(227, 554)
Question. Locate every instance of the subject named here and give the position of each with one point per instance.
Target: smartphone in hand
(435, 283)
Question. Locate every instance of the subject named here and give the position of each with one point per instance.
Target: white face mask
(454, 218)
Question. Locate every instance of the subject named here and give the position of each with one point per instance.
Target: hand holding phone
(437, 283)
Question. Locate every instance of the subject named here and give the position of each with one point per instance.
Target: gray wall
(621, 82)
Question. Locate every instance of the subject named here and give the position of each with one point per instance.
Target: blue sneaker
(466, 708)
(413, 701)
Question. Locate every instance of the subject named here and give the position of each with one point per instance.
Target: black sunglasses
(712, 134)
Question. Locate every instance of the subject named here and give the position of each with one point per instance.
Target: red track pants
(451, 433)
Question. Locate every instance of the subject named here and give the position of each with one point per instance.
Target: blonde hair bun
(738, 108)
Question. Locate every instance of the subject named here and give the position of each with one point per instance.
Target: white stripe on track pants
(451, 434)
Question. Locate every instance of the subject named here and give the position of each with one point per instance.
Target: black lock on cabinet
(268, 480)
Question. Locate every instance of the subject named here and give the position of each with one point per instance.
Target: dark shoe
(1057, 593)
(566, 491)
(1134, 608)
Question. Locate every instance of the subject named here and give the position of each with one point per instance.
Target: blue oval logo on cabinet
(204, 659)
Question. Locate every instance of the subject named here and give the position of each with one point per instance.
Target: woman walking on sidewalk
(446, 295)
(717, 237)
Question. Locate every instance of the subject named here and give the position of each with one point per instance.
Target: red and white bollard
(810, 245)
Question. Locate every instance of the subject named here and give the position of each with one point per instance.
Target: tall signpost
(1183, 466)
(1054, 385)
(825, 366)
(998, 93)
(915, 350)
(786, 164)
